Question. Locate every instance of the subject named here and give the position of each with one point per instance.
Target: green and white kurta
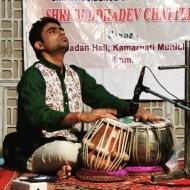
(45, 96)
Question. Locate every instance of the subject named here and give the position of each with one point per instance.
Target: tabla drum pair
(111, 144)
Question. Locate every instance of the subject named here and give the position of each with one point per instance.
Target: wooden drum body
(107, 145)
(152, 144)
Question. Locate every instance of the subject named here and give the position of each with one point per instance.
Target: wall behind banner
(11, 67)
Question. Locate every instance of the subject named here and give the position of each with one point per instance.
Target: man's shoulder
(31, 71)
(77, 68)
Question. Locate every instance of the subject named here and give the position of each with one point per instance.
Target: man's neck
(55, 59)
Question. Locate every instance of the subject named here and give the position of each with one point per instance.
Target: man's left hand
(143, 115)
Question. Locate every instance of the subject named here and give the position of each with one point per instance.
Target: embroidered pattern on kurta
(55, 100)
(73, 89)
(54, 94)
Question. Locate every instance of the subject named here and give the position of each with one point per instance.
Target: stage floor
(133, 181)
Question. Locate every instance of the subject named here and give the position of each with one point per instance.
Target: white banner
(114, 39)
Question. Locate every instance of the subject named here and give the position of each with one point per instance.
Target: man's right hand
(88, 117)
(95, 114)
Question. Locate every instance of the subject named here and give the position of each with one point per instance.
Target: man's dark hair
(36, 32)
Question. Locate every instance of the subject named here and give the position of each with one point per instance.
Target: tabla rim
(163, 123)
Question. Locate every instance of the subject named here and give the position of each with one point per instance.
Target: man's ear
(39, 45)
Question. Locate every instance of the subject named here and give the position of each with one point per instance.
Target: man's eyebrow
(61, 28)
(54, 27)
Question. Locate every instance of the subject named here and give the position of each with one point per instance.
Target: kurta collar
(50, 65)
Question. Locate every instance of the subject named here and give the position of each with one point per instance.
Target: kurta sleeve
(96, 96)
(32, 104)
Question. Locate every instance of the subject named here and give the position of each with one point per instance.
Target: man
(50, 105)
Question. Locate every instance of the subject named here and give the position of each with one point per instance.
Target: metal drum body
(152, 144)
(107, 145)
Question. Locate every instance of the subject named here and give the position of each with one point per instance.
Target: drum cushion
(114, 176)
(144, 169)
(101, 176)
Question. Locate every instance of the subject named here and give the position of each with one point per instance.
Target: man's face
(54, 39)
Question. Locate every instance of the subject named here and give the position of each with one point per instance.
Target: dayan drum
(152, 144)
(107, 145)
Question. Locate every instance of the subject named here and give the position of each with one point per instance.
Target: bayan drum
(107, 145)
(152, 144)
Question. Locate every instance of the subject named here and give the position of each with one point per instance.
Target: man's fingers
(112, 111)
(107, 111)
(108, 115)
(146, 116)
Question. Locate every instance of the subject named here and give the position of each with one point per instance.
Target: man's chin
(66, 49)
